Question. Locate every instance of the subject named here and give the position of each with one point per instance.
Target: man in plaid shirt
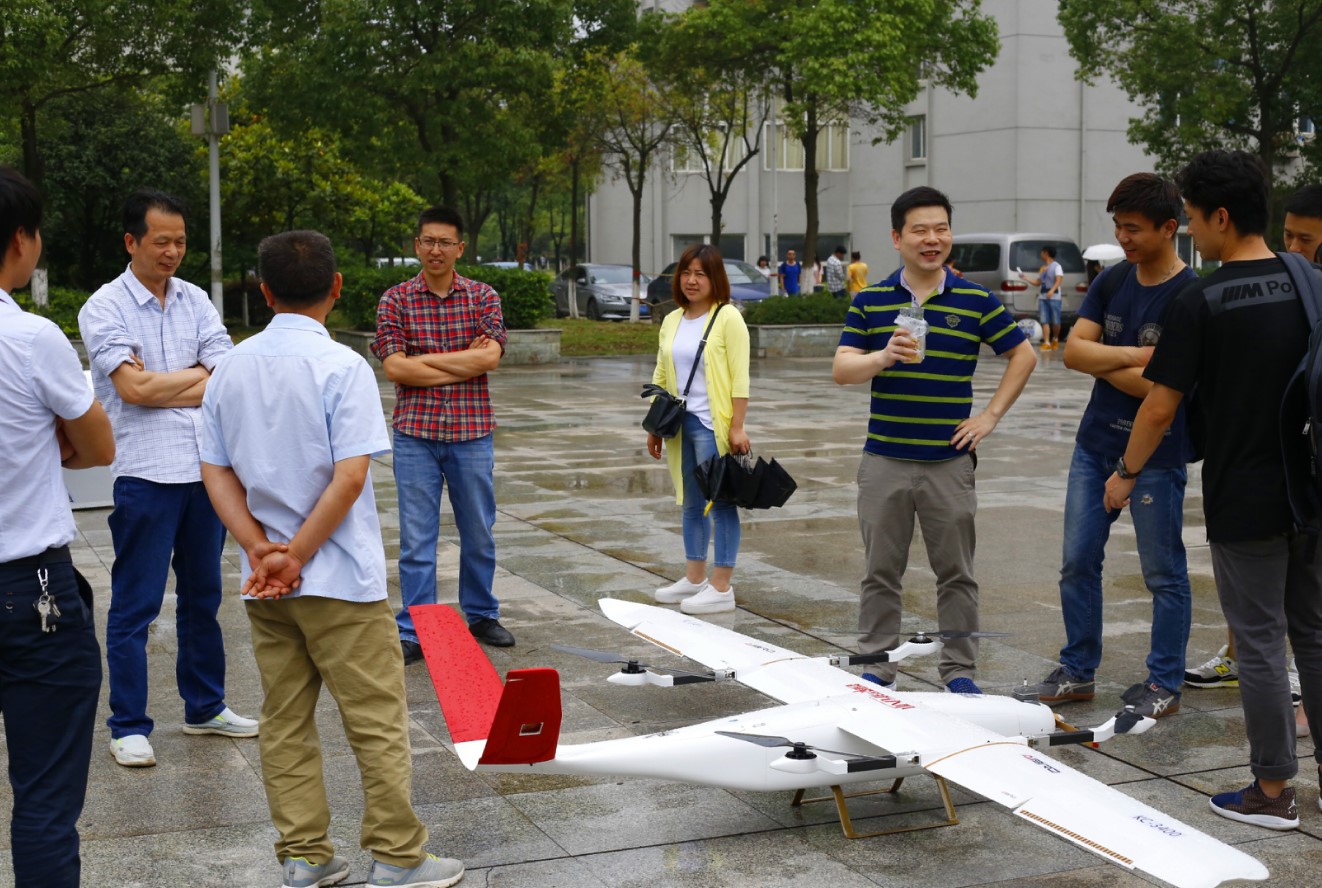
(438, 335)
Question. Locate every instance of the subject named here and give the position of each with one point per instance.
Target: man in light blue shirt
(152, 341)
(291, 421)
(50, 663)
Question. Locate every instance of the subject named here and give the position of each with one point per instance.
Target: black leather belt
(54, 555)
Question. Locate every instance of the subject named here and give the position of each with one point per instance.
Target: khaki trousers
(941, 495)
(353, 647)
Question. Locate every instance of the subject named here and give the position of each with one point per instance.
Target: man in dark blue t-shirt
(1119, 324)
(788, 272)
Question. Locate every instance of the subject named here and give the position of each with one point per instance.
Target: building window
(832, 149)
(915, 141)
(685, 160)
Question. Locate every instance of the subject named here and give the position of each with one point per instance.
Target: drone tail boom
(491, 724)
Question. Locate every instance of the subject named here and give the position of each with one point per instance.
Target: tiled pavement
(584, 513)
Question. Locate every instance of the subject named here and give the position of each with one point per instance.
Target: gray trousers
(891, 493)
(1270, 589)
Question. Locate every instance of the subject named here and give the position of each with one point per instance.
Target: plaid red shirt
(412, 319)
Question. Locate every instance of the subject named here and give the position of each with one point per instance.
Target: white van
(991, 260)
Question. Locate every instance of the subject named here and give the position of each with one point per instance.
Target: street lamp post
(212, 121)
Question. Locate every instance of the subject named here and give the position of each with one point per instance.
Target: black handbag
(665, 416)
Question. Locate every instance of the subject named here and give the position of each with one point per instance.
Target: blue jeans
(1048, 310)
(49, 685)
(150, 521)
(422, 469)
(697, 445)
(1157, 509)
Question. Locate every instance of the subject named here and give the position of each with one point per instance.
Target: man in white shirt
(50, 663)
(152, 341)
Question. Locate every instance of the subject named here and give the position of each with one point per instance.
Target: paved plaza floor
(583, 513)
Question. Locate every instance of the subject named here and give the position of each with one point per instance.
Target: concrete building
(1035, 151)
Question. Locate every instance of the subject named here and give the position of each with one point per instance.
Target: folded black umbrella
(748, 483)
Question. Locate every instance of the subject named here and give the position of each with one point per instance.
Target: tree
(631, 122)
(835, 60)
(52, 49)
(1207, 73)
(720, 108)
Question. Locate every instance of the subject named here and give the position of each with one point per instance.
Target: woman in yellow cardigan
(713, 421)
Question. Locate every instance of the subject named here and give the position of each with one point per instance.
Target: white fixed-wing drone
(832, 729)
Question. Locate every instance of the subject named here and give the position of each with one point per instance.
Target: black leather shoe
(491, 632)
(412, 651)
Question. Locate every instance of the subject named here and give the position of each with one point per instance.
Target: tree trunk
(33, 166)
(636, 248)
(810, 184)
(717, 205)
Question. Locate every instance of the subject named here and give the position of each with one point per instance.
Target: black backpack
(1303, 480)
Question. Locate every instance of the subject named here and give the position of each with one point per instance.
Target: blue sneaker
(433, 872)
(1251, 805)
(877, 680)
(299, 873)
(962, 685)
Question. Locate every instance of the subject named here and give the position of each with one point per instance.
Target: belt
(53, 555)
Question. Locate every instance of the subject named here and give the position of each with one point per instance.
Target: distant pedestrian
(292, 420)
(789, 274)
(764, 266)
(1048, 280)
(858, 273)
(836, 275)
(49, 680)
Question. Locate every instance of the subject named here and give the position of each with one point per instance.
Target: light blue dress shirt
(40, 378)
(281, 409)
(123, 320)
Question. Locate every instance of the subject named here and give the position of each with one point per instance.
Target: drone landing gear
(847, 824)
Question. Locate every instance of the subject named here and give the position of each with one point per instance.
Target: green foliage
(582, 338)
(524, 296)
(1207, 73)
(817, 308)
(62, 307)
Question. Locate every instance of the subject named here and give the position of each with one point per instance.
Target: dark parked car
(604, 292)
(747, 284)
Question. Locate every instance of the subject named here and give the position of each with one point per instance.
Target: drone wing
(1069, 804)
(779, 673)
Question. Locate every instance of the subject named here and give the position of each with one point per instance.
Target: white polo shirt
(40, 378)
(281, 409)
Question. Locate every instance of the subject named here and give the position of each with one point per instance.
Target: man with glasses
(438, 335)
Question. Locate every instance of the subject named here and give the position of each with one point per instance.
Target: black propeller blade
(773, 742)
(630, 665)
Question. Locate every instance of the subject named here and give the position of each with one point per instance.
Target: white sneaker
(678, 591)
(1296, 693)
(133, 751)
(709, 601)
(228, 724)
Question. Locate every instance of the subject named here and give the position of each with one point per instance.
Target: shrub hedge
(524, 296)
(62, 308)
(815, 308)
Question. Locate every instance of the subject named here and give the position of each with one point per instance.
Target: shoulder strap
(1305, 276)
(701, 345)
(1112, 279)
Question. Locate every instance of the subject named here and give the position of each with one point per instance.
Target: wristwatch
(1124, 473)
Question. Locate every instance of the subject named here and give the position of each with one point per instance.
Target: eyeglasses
(430, 243)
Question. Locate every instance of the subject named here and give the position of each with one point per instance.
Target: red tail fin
(520, 721)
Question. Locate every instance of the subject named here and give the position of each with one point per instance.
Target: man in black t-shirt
(1118, 326)
(1239, 334)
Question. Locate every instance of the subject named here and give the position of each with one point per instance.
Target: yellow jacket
(725, 367)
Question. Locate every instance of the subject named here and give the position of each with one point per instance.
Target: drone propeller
(630, 665)
(959, 633)
(797, 749)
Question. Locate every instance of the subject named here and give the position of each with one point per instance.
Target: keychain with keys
(45, 604)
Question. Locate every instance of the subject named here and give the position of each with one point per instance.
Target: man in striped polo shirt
(920, 452)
